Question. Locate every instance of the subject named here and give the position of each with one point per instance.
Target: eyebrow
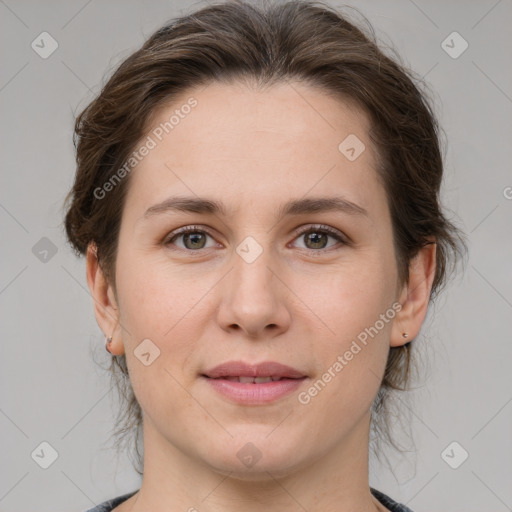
(294, 207)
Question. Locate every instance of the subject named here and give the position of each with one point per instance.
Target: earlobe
(104, 303)
(415, 296)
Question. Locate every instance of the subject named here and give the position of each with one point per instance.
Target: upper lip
(242, 369)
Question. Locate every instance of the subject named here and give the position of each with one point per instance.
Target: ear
(105, 305)
(414, 296)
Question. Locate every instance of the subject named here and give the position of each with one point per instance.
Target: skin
(255, 150)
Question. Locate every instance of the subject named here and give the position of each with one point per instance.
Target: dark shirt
(392, 505)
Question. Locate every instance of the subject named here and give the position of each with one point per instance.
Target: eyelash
(318, 228)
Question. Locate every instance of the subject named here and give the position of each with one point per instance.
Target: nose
(254, 298)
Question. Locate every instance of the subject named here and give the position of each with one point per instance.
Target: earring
(405, 335)
(107, 344)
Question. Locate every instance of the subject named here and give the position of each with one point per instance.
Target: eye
(193, 238)
(316, 237)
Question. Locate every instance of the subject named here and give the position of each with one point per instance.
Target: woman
(257, 197)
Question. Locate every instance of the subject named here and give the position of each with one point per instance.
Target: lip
(246, 393)
(254, 394)
(242, 369)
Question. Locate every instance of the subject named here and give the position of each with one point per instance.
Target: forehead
(241, 142)
(290, 109)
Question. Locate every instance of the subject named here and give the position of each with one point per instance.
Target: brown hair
(305, 41)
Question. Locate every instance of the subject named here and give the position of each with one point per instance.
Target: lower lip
(248, 393)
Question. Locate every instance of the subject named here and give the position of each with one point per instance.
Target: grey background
(51, 388)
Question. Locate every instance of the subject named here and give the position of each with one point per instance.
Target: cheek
(350, 298)
(355, 306)
(161, 308)
(351, 355)
(152, 298)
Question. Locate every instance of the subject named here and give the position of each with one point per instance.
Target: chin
(260, 472)
(253, 456)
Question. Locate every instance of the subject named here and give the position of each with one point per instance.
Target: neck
(335, 481)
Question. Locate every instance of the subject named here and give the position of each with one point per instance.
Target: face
(256, 281)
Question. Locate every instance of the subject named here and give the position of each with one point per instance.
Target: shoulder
(109, 505)
(393, 506)
(389, 503)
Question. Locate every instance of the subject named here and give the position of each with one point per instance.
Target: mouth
(252, 380)
(241, 370)
(247, 384)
